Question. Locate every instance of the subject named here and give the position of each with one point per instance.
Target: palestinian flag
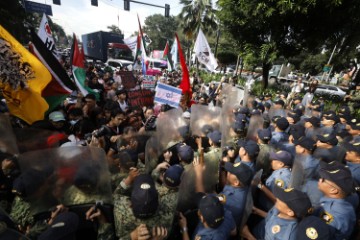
(60, 85)
(78, 70)
(168, 57)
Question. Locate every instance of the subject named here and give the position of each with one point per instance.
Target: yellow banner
(22, 78)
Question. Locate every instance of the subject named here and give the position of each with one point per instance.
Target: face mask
(73, 122)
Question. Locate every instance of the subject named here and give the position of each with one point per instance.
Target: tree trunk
(265, 74)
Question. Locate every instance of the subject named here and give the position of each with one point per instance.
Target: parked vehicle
(278, 73)
(334, 92)
(105, 45)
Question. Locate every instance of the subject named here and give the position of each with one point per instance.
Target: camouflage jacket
(126, 222)
(20, 212)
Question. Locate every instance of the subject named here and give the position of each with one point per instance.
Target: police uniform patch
(275, 229)
(279, 183)
(312, 233)
(145, 186)
(222, 198)
(327, 217)
(237, 164)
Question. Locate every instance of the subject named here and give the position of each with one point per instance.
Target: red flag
(185, 82)
(166, 50)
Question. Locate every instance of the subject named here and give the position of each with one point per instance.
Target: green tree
(160, 29)
(114, 29)
(197, 14)
(12, 17)
(266, 30)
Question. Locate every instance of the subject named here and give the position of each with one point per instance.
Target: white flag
(131, 42)
(203, 52)
(45, 35)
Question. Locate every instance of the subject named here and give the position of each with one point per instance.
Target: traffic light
(126, 5)
(167, 10)
(56, 2)
(94, 3)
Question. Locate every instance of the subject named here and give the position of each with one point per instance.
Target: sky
(79, 17)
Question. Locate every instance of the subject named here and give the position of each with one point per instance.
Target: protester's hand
(198, 142)
(198, 168)
(94, 142)
(159, 233)
(226, 159)
(92, 214)
(133, 173)
(58, 209)
(140, 233)
(182, 221)
(163, 165)
(167, 156)
(114, 138)
(7, 164)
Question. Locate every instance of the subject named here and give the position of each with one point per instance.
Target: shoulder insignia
(237, 164)
(312, 233)
(275, 229)
(327, 217)
(222, 198)
(279, 183)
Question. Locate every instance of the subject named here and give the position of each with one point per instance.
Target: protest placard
(140, 98)
(128, 80)
(149, 82)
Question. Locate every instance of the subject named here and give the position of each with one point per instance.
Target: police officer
(238, 179)
(248, 153)
(304, 148)
(329, 141)
(281, 163)
(281, 221)
(352, 158)
(339, 214)
(215, 221)
(279, 136)
(312, 227)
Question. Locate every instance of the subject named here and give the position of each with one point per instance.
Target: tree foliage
(197, 14)
(114, 29)
(267, 29)
(160, 29)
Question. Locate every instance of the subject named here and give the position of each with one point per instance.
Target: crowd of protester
(286, 167)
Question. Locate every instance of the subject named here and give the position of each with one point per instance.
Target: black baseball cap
(64, 227)
(212, 210)
(329, 138)
(242, 171)
(282, 123)
(314, 121)
(353, 146)
(338, 174)
(282, 156)
(264, 134)
(312, 227)
(297, 131)
(250, 147)
(279, 102)
(215, 136)
(332, 116)
(296, 200)
(144, 197)
(355, 124)
(306, 143)
(186, 153)
(172, 175)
